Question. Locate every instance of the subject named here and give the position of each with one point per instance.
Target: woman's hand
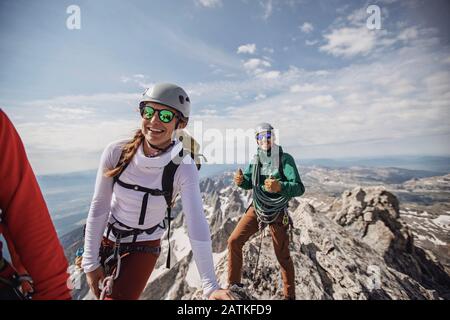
(221, 294)
(94, 278)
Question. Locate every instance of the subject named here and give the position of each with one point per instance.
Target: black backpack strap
(167, 187)
(280, 166)
(281, 170)
(117, 176)
(122, 155)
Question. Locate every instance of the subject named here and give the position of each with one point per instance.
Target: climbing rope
(260, 227)
(267, 208)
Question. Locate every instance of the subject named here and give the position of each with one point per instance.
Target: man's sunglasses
(266, 135)
(164, 115)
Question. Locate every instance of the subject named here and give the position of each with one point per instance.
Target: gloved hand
(272, 185)
(238, 177)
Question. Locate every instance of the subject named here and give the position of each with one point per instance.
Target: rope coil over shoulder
(267, 208)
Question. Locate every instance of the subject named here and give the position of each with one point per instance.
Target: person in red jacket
(26, 224)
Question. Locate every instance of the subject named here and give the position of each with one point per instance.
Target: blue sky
(333, 87)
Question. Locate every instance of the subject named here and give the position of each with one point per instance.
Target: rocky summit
(354, 246)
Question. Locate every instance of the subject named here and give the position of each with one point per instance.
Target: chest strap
(167, 192)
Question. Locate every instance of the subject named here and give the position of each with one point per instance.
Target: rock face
(348, 267)
(438, 183)
(173, 279)
(371, 215)
(355, 250)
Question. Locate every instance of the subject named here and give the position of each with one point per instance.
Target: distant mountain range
(68, 195)
(437, 164)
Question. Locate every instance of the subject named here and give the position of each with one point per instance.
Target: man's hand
(238, 177)
(272, 185)
(221, 294)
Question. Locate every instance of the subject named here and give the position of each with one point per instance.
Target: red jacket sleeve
(27, 219)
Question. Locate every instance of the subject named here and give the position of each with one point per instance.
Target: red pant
(135, 270)
(247, 226)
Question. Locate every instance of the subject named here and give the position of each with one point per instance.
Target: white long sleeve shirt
(113, 201)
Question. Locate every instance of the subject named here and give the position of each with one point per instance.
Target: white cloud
(311, 42)
(348, 42)
(306, 27)
(139, 79)
(273, 74)
(209, 3)
(407, 34)
(438, 82)
(89, 101)
(269, 50)
(247, 48)
(65, 146)
(325, 101)
(259, 68)
(349, 36)
(321, 73)
(268, 8)
(306, 88)
(358, 17)
(256, 64)
(260, 96)
(64, 113)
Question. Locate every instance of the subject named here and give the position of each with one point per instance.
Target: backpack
(280, 166)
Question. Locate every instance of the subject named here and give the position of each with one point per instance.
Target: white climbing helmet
(263, 127)
(169, 95)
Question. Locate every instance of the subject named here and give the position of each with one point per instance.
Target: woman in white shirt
(131, 200)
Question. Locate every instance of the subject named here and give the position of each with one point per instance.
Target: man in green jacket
(274, 181)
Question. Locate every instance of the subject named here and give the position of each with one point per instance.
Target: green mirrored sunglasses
(164, 115)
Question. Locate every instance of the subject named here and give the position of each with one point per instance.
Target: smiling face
(265, 143)
(157, 132)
